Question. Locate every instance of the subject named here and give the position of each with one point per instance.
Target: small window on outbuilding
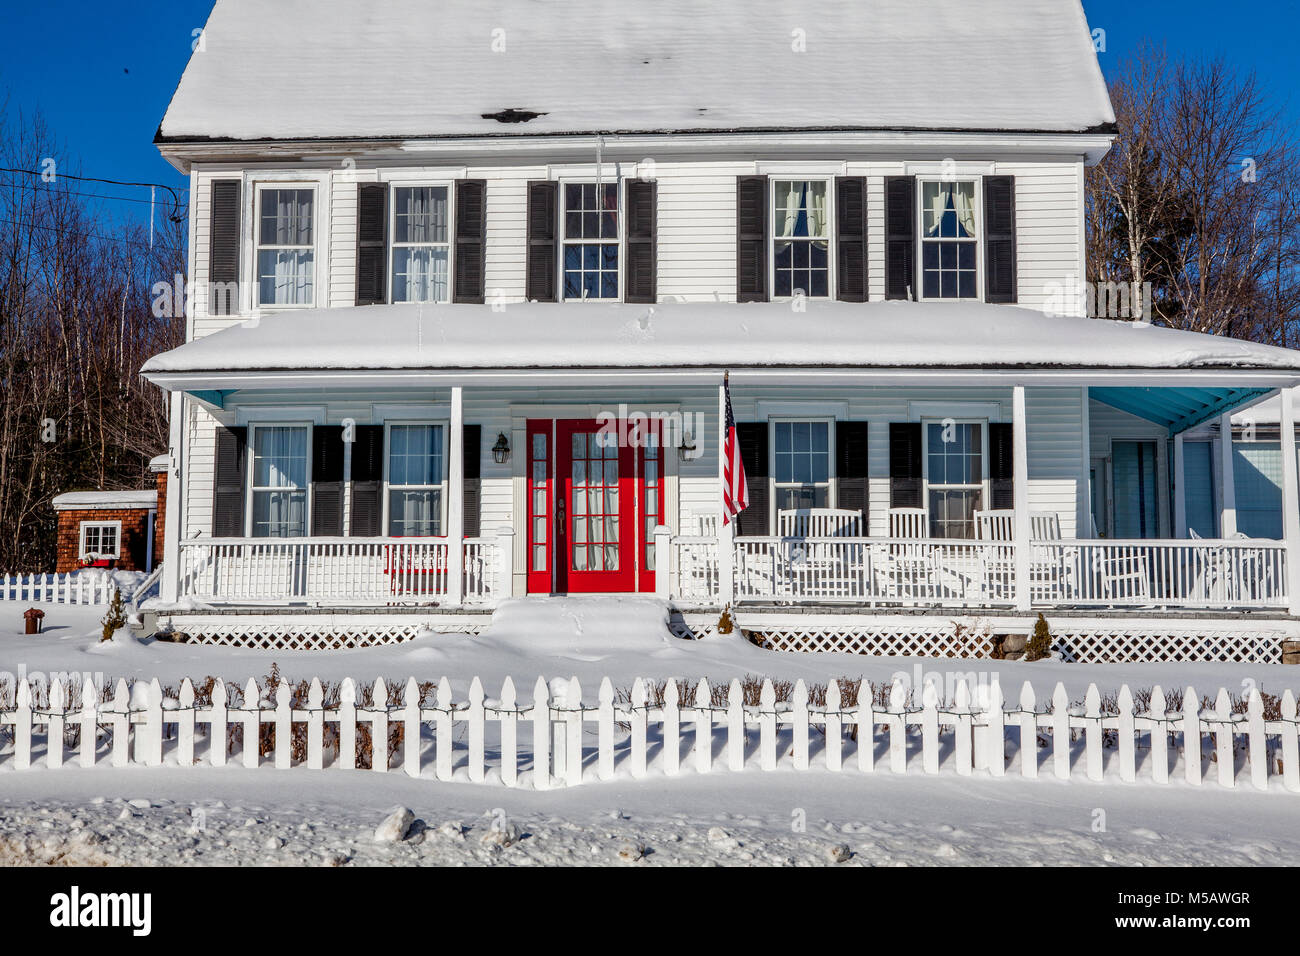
(100, 539)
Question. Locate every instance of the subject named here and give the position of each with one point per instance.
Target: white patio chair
(911, 568)
(819, 523)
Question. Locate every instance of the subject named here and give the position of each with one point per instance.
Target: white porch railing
(339, 571)
(921, 572)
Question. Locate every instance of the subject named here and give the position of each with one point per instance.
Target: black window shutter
(906, 481)
(751, 239)
(223, 248)
(900, 237)
(327, 480)
(541, 279)
(851, 238)
(851, 456)
(641, 283)
(228, 482)
(367, 481)
(372, 248)
(1000, 238)
(1002, 489)
(471, 450)
(752, 438)
(470, 281)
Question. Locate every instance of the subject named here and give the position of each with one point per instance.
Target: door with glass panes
(594, 499)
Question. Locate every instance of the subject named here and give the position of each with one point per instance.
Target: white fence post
(767, 725)
(866, 727)
(475, 719)
(348, 724)
(735, 726)
(442, 757)
(703, 727)
(1258, 739)
(799, 717)
(283, 727)
(54, 725)
(315, 725)
(252, 721)
(1127, 728)
(1092, 732)
(665, 563)
(1225, 753)
(1028, 732)
(1191, 737)
(672, 729)
(638, 722)
(963, 728)
(218, 735)
(897, 727)
(1159, 736)
(1290, 743)
(542, 736)
(834, 723)
(506, 554)
(379, 726)
(185, 724)
(995, 755)
(930, 727)
(89, 722)
(411, 725)
(605, 730)
(509, 734)
(1061, 732)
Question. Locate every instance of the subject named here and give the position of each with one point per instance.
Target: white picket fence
(71, 588)
(966, 734)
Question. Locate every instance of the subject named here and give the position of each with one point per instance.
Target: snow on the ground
(264, 817)
(569, 637)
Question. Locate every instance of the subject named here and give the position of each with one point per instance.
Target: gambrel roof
(381, 69)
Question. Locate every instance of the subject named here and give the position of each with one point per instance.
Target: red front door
(593, 503)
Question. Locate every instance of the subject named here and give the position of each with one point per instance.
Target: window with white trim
(417, 479)
(800, 238)
(286, 251)
(954, 475)
(801, 464)
(949, 239)
(421, 246)
(100, 539)
(281, 468)
(591, 236)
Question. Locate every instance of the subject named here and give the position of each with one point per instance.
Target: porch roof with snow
(1199, 376)
(401, 69)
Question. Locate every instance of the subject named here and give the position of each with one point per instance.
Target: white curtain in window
(789, 198)
(964, 196)
(816, 209)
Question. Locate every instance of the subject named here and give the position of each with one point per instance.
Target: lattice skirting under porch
(295, 634)
(1085, 641)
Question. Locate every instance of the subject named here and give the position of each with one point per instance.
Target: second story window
(800, 239)
(590, 241)
(421, 248)
(949, 239)
(286, 261)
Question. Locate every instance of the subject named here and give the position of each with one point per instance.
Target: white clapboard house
(466, 278)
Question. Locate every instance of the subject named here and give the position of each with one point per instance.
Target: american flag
(735, 493)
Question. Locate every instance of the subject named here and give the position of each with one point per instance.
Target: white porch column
(1020, 480)
(1228, 506)
(1290, 501)
(1180, 488)
(1083, 513)
(170, 580)
(456, 500)
(726, 530)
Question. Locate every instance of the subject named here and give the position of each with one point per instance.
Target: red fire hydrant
(33, 618)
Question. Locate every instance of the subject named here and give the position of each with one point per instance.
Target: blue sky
(102, 73)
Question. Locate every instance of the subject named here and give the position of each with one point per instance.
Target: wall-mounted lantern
(501, 450)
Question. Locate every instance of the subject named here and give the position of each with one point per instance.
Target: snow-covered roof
(299, 69)
(104, 500)
(687, 335)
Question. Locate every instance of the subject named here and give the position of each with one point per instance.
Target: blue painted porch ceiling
(1177, 409)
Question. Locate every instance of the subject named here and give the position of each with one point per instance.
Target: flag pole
(726, 529)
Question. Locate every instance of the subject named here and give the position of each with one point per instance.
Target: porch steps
(579, 626)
